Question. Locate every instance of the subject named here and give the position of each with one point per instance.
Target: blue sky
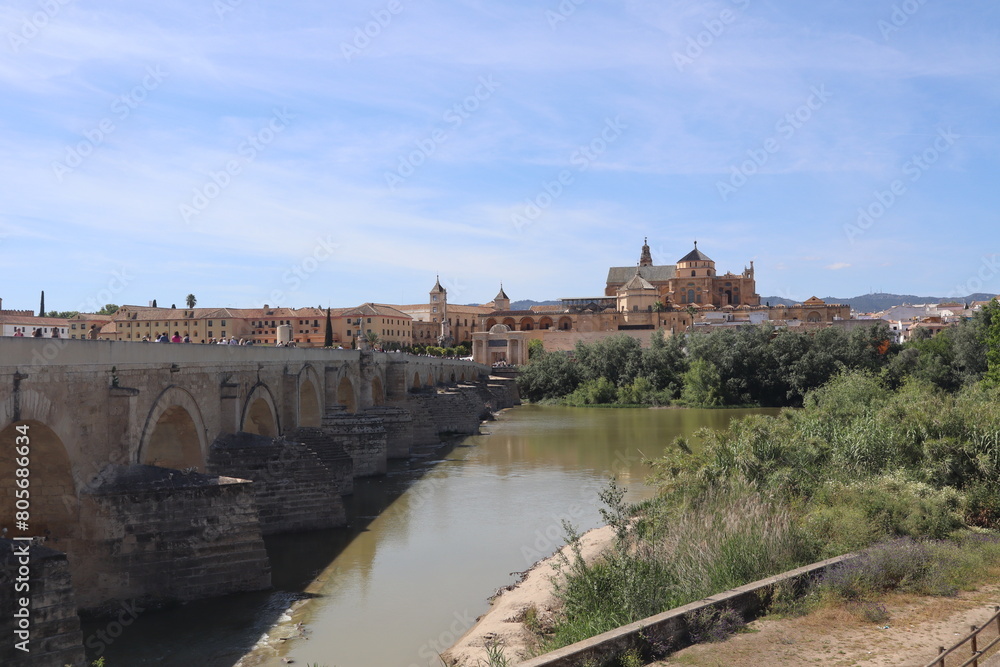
(317, 153)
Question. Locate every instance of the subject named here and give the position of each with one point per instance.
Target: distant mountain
(869, 303)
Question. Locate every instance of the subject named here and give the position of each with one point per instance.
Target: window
(369, 321)
(434, 310)
(223, 323)
(210, 324)
(693, 273)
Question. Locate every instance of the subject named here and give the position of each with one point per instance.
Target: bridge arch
(346, 395)
(310, 404)
(416, 380)
(260, 416)
(430, 378)
(55, 512)
(173, 435)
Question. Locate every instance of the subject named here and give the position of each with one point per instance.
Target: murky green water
(428, 544)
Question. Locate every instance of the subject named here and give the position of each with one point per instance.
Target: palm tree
(191, 300)
(372, 339)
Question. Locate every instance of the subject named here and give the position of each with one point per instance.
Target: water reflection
(428, 543)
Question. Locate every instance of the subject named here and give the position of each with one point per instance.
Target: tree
(62, 314)
(328, 335)
(702, 384)
(549, 375)
(154, 303)
(41, 308)
(992, 313)
(190, 300)
(535, 348)
(108, 309)
(372, 339)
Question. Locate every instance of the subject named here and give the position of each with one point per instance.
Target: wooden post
(940, 661)
(975, 648)
(997, 610)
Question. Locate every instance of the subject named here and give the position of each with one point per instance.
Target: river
(428, 544)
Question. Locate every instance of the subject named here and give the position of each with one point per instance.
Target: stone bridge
(156, 468)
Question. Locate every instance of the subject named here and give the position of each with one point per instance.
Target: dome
(499, 329)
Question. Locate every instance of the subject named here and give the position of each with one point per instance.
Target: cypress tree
(328, 336)
(41, 308)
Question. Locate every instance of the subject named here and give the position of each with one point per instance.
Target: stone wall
(55, 637)
(398, 429)
(293, 489)
(159, 534)
(363, 438)
(338, 464)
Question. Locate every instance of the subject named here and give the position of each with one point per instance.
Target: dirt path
(916, 628)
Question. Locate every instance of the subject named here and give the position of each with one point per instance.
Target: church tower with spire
(501, 301)
(439, 310)
(646, 258)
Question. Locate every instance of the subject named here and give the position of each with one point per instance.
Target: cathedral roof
(501, 294)
(619, 275)
(695, 256)
(637, 282)
(437, 289)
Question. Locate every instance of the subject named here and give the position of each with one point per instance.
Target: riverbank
(504, 622)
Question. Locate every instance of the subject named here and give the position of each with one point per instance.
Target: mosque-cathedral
(637, 301)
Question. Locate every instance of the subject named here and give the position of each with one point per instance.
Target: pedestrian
(187, 338)
(18, 334)
(176, 337)
(55, 332)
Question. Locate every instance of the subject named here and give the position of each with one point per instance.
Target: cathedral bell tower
(645, 259)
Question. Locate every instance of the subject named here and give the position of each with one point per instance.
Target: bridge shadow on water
(218, 632)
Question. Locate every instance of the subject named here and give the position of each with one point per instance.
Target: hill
(867, 303)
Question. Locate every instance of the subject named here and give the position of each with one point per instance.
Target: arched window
(693, 273)
(690, 296)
